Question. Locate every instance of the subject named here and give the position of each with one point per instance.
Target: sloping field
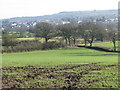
(108, 44)
(62, 68)
(74, 55)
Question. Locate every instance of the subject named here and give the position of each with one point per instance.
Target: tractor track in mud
(14, 76)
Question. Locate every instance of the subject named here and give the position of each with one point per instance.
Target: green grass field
(105, 44)
(108, 44)
(60, 68)
(42, 40)
(60, 56)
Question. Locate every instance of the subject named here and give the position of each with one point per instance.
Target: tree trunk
(114, 45)
(85, 42)
(66, 40)
(91, 41)
(90, 44)
(101, 39)
(74, 40)
(69, 41)
(46, 39)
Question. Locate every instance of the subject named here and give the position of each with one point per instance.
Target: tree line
(88, 31)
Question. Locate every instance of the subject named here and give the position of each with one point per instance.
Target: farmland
(72, 67)
(42, 40)
(103, 44)
(68, 50)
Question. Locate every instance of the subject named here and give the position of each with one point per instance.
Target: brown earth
(63, 76)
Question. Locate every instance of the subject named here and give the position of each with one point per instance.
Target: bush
(52, 45)
(9, 40)
(24, 46)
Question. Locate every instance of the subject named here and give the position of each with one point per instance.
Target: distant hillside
(66, 16)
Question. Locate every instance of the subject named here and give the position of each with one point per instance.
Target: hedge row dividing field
(61, 68)
(105, 44)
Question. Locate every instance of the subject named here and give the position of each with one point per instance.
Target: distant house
(65, 22)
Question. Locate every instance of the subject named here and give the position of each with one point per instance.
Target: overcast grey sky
(18, 8)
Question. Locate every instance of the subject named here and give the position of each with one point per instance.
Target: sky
(22, 8)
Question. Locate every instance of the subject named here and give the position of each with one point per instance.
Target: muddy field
(93, 75)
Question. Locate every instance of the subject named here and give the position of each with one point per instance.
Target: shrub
(9, 40)
(52, 45)
(23, 46)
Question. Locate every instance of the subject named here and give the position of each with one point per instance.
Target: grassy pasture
(23, 39)
(61, 68)
(42, 40)
(59, 56)
(108, 44)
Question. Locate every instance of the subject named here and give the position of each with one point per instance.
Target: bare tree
(101, 34)
(68, 31)
(44, 30)
(113, 35)
(74, 33)
(83, 33)
(88, 32)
